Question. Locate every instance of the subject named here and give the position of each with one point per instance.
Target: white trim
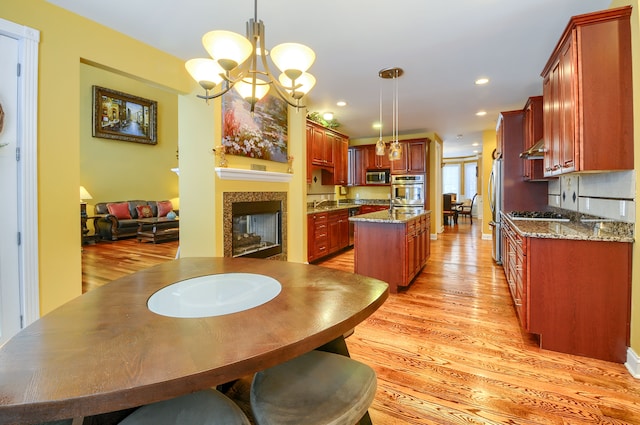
(633, 363)
(253, 175)
(29, 39)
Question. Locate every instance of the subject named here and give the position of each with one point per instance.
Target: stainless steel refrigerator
(494, 190)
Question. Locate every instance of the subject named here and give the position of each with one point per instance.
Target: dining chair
(466, 208)
(449, 214)
(316, 388)
(206, 407)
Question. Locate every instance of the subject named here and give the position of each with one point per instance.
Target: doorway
(19, 303)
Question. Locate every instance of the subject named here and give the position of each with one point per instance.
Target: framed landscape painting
(262, 134)
(122, 116)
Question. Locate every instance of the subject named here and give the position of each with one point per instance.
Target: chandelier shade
(292, 58)
(304, 84)
(236, 61)
(228, 48)
(205, 71)
(245, 88)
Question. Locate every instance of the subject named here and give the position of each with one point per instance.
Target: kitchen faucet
(316, 204)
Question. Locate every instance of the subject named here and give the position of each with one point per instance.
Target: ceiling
(443, 47)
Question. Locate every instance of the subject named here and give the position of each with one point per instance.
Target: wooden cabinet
(413, 159)
(317, 235)
(376, 162)
(513, 263)
(365, 209)
(564, 289)
(394, 252)
(327, 232)
(588, 124)
(327, 150)
(357, 166)
(518, 193)
(533, 127)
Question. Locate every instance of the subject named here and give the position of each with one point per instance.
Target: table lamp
(84, 194)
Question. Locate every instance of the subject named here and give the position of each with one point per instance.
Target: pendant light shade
(305, 82)
(230, 49)
(292, 58)
(205, 71)
(395, 150)
(245, 88)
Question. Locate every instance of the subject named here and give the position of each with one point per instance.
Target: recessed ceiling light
(482, 81)
(341, 103)
(475, 144)
(377, 125)
(328, 116)
(481, 113)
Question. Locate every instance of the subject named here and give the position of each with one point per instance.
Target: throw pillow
(164, 207)
(120, 210)
(144, 211)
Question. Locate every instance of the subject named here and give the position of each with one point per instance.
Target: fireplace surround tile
(228, 198)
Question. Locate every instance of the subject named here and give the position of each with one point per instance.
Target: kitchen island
(391, 245)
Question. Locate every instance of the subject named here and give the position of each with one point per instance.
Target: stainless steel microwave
(378, 177)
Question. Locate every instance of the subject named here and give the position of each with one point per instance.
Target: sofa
(119, 219)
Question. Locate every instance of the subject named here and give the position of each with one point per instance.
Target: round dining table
(106, 351)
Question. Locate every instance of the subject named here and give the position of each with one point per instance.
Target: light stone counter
(387, 217)
(598, 230)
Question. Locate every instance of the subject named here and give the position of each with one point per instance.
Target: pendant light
(395, 151)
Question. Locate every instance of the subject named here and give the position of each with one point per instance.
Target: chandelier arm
(279, 88)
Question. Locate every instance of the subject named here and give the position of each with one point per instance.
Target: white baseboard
(487, 237)
(633, 363)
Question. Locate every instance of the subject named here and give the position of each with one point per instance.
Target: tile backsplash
(609, 195)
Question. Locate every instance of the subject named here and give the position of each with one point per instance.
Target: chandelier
(395, 151)
(235, 60)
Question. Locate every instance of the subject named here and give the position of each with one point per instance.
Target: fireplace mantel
(253, 175)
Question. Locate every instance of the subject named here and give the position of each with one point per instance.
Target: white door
(10, 294)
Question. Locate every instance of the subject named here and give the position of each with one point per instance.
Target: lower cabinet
(392, 252)
(327, 232)
(574, 294)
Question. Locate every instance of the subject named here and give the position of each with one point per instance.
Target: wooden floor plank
(449, 349)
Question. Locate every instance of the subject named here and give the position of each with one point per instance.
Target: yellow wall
(113, 170)
(635, 280)
(73, 51)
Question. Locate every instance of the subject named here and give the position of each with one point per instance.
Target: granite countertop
(388, 217)
(596, 230)
(343, 205)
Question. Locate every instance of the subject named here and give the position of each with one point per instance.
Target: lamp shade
(244, 87)
(205, 71)
(228, 48)
(84, 194)
(306, 82)
(292, 58)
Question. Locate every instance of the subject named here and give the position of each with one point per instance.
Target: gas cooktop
(537, 215)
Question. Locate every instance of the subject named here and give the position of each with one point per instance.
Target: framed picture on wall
(262, 135)
(122, 116)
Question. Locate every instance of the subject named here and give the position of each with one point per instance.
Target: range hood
(534, 152)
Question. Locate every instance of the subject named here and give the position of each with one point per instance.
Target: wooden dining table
(106, 351)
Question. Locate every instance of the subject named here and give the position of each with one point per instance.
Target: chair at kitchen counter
(466, 208)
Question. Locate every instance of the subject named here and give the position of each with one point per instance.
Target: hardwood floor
(449, 349)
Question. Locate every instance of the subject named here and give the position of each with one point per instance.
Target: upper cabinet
(413, 159)
(533, 168)
(587, 106)
(327, 150)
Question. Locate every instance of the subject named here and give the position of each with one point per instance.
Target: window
(470, 179)
(451, 174)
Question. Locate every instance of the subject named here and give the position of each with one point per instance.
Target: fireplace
(256, 229)
(255, 224)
